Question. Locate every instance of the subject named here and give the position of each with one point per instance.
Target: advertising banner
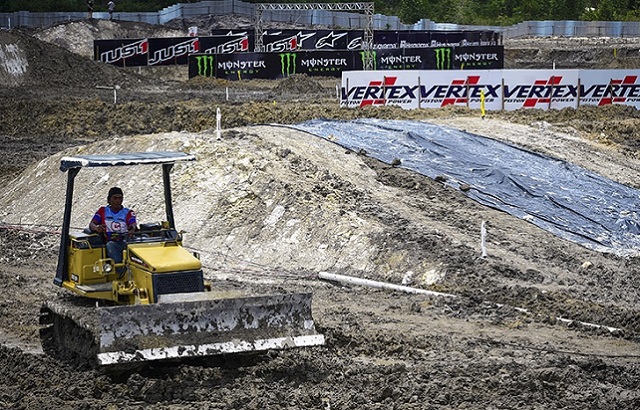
(392, 49)
(491, 89)
(287, 41)
(270, 65)
(422, 89)
(466, 88)
(606, 87)
(240, 43)
(380, 88)
(172, 50)
(443, 58)
(122, 53)
(470, 38)
(545, 89)
(394, 59)
(313, 63)
(332, 63)
(233, 66)
(384, 39)
(475, 58)
(294, 40)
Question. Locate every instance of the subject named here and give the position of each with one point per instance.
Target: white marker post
(115, 91)
(483, 238)
(218, 122)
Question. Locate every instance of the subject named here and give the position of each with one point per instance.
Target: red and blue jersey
(117, 223)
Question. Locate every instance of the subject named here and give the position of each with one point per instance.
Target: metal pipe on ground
(390, 286)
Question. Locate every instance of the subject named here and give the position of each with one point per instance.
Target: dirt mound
(299, 84)
(78, 36)
(206, 24)
(35, 63)
(572, 53)
(212, 22)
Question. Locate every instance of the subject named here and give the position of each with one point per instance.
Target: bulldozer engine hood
(163, 258)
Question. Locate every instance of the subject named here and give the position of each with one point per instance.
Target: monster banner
(441, 58)
(333, 63)
(269, 65)
(231, 66)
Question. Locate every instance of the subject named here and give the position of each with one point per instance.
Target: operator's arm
(96, 227)
(97, 222)
(132, 221)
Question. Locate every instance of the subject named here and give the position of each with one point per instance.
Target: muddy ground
(539, 323)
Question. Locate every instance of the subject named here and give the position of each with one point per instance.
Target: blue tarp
(567, 200)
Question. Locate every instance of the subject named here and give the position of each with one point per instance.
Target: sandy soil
(519, 333)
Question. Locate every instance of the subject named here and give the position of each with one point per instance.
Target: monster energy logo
(443, 58)
(288, 64)
(206, 67)
(369, 55)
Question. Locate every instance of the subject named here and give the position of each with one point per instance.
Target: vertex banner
(544, 89)
(390, 87)
(605, 87)
(423, 89)
(491, 89)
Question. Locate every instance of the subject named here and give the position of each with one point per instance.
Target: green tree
(566, 9)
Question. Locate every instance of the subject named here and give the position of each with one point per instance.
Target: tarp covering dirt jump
(562, 198)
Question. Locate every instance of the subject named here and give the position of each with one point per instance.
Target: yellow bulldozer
(156, 304)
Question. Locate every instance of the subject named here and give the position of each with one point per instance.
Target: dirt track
(384, 349)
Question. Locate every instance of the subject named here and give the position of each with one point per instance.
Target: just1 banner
(240, 43)
(172, 50)
(287, 40)
(491, 89)
(122, 53)
(422, 89)
(143, 52)
(296, 40)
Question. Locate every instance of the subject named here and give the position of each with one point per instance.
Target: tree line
(472, 12)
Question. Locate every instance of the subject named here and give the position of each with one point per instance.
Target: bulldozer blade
(193, 325)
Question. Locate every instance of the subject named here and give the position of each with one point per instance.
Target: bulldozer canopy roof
(133, 158)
